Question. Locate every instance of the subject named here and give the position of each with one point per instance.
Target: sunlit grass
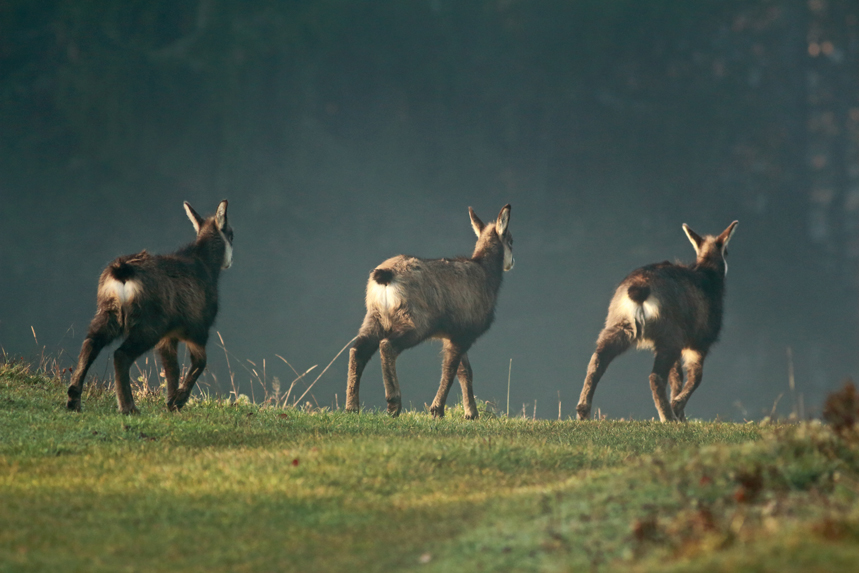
(240, 487)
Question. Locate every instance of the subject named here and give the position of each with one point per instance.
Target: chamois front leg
(136, 344)
(694, 371)
(198, 364)
(450, 364)
(167, 350)
(662, 365)
(389, 352)
(466, 376)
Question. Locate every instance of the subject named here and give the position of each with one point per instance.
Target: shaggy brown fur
(159, 299)
(674, 309)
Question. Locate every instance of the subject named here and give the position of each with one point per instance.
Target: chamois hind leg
(136, 344)
(389, 352)
(167, 350)
(103, 329)
(694, 370)
(662, 365)
(450, 363)
(365, 346)
(675, 380)
(466, 376)
(197, 351)
(611, 343)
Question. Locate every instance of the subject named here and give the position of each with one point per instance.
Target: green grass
(225, 487)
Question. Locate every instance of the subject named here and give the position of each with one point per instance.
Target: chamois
(159, 300)
(673, 309)
(410, 300)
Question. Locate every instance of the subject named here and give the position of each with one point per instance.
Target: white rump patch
(385, 299)
(124, 292)
(639, 315)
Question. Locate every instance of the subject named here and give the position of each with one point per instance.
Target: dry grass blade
(326, 368)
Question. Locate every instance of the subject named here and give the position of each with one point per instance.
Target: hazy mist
(344, 133)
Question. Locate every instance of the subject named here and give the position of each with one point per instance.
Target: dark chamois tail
(638, 293)
(383, 276)
(123, 269)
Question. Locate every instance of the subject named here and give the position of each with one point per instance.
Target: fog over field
(344, 133)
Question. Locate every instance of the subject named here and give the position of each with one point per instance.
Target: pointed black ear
(196, 219)
(221, 215)
(476, 223)
(728, 233)
(503, 220)
(694, 237)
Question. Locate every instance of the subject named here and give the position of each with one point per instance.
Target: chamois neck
(207, 250)
(712, 275)
(489, 254)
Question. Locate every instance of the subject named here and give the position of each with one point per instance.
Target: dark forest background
(346, 132)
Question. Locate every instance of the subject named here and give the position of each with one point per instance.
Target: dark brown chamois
(159, 300)
(410, 300)
(673, 309)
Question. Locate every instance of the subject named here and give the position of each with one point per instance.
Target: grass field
(224, 487)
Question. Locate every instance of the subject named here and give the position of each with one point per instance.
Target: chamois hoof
(394, 407)
(472, 416)
(74, 405)
(132, 411)
(583, 411)
(679, 411)
(437, 411)
(352, 409)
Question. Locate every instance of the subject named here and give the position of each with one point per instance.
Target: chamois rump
(410, 300)
(159, 300)
(673, 309)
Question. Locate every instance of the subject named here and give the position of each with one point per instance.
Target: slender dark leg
(694, 371)
(103, 329)
(675, 378)
(449, 365)
(611, 343)
(359, 355)
(466, 377)
(136, 344)
(389, 352)
(198, 364)
(662, 365)
(168, 351)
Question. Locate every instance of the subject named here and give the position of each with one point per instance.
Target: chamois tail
(383, 276)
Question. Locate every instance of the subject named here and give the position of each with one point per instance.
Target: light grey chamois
(410, 300)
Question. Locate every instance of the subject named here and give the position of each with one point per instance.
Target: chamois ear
(196, 219)
(503, 220)
(694, 238)
(728, 233)
(476, 223)
(221, 215)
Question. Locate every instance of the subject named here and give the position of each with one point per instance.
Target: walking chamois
(673, 309)
(410, 300)
(159, 300)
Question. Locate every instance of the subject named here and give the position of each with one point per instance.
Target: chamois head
(712, 251)
(214, 227)
(492, 232)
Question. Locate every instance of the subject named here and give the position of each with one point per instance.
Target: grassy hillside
(224, 487)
